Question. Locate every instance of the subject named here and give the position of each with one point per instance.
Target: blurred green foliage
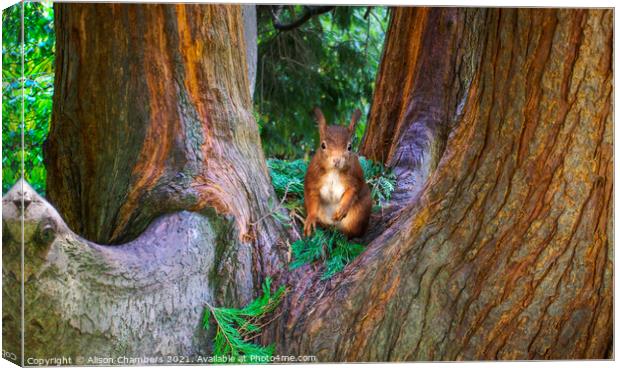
(38, 90)
(330, 61)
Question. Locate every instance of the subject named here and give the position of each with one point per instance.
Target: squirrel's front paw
(309, 225)
(339, 214)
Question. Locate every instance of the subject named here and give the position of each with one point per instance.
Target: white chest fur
(332, 188)
(331, 192)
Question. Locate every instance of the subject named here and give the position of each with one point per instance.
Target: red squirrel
(335, 192)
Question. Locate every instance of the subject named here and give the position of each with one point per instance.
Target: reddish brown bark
(424, 76)
(507, 253)
(152, 114)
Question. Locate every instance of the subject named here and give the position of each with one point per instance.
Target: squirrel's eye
(349, 147)
(323, 146)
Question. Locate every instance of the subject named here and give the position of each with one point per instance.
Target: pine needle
(329, 246)
(236, 328)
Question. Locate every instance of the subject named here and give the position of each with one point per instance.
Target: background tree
(250, 33)
(325, 56)
(503, 252)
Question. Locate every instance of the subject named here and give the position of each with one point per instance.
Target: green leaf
(38, 88)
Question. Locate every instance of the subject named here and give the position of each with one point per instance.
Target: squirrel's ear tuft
(320, 119)
(354, 118)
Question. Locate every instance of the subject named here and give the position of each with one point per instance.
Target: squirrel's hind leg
(355, 223)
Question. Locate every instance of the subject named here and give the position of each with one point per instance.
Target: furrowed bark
(169, 128)
(507, 254)
(152, 115)
(423, 79)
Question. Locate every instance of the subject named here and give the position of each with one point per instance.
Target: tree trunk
(152, 116)
(507, 253)
(169, 129)
(497, 244)
(417, 94)
(142, 298)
